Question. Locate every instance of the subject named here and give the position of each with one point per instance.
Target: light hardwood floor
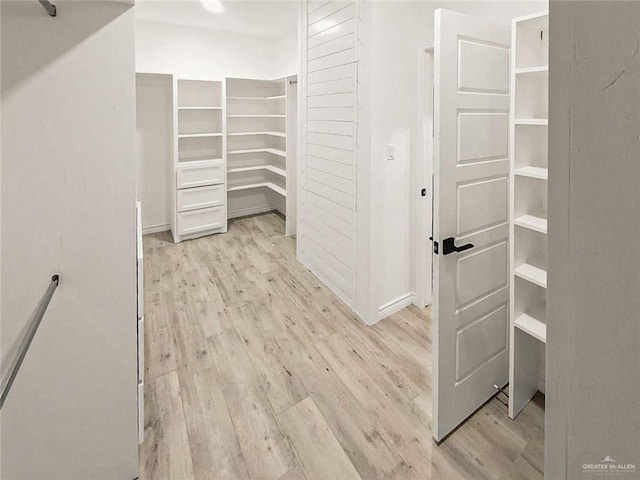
(256, 371)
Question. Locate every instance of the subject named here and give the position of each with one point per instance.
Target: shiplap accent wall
(327, 233)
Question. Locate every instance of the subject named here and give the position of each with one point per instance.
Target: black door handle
(448, 246)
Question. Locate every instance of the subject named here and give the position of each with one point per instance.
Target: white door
(471, 216)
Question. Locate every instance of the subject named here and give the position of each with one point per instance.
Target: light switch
(391, 152)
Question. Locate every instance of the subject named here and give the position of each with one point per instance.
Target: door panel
(471, 192)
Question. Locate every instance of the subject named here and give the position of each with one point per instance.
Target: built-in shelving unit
(200, 160)
(256, 115)
(529, 167)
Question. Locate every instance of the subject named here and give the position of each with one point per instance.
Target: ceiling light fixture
(214, 6)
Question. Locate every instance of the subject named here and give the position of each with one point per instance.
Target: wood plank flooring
(254, 370)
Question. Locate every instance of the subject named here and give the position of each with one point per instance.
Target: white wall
(399, 30)
(593, 341)
(286, 59)
(68, 207)
(207, 54)
(154, 150)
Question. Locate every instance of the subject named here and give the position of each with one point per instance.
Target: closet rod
(49, 7)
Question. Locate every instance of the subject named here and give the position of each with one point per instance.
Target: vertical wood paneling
(330, 66)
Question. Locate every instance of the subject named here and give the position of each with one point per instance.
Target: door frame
(422, 177)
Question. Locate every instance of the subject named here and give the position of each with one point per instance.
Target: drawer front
(197, 174)
(201, 197)
(197, 221)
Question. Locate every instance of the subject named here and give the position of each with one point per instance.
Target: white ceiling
(259, 18)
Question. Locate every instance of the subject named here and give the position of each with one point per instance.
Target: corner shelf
(257, 145)
(270, 168)
(275, 97)
(248, 134)
(272, 186)
(273, 151)
(257, 115)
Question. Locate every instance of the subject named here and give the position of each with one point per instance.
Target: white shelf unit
(199, 203)
(256, 116)
(529, 176)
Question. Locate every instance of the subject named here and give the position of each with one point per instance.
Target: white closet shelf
(531, 222)
(532, 70)
(531, 121)
(246, 134)
(199, 108)
(532, 274)
(273, 151)
(270, 168)
(275, 97)
(532, 326)
(272, 186)
(533, 172)
(257, 115)
(203, 160)
(199, 135)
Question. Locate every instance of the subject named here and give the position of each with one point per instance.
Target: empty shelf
(199, 135)
(532, 274)
(276, 97)
(533, 327)
(270, 168)
(530, 70)
(273, 151)
(199, 159)
(273, 134)
(536, 224)
(199, 108)
(272, 186)
(256, 115)
(533, 172)
(531, 121)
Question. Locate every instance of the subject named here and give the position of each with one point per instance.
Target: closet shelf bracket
(49, 7)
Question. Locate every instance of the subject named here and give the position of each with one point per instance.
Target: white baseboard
(156, 229)
(251, 211)
(395, 305)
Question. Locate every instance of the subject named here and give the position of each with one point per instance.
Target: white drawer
(200, 173)
(197, 221)
(201, 197)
